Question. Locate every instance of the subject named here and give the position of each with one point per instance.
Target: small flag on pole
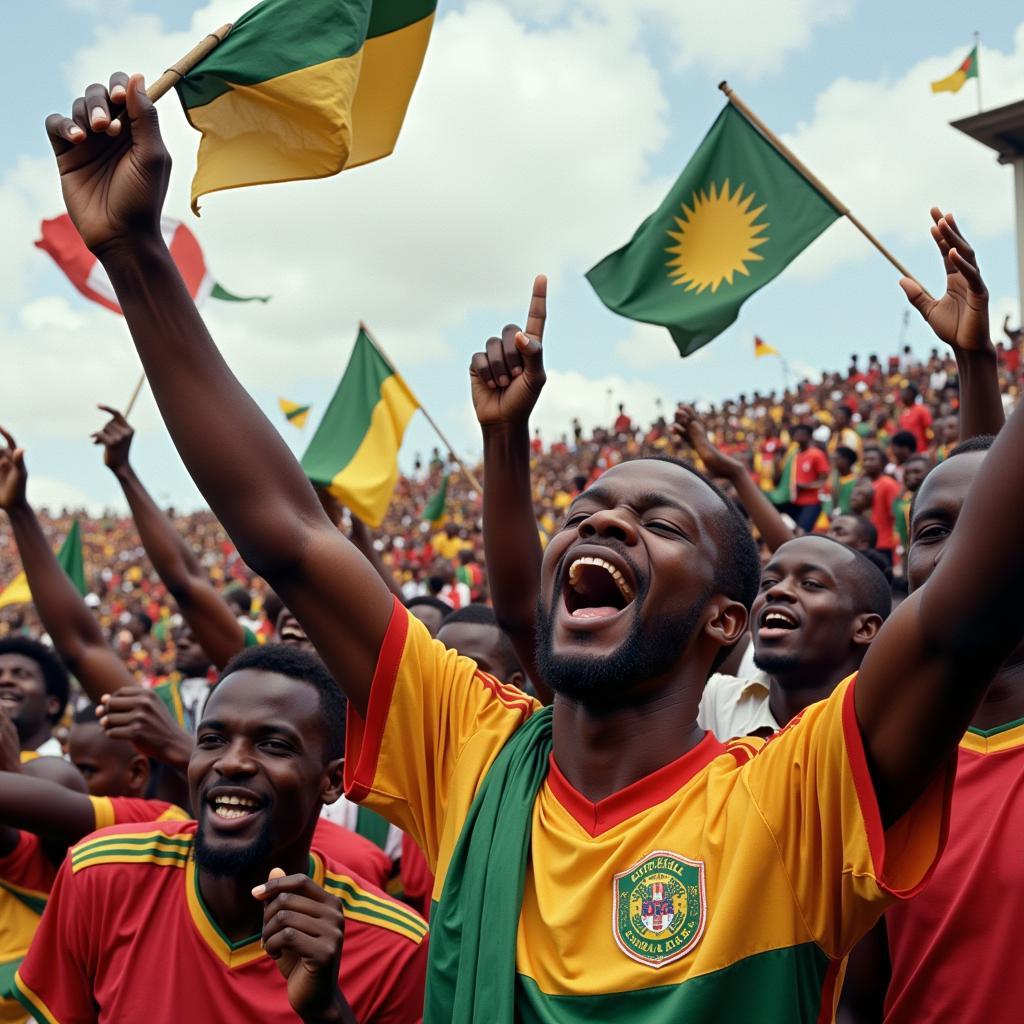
(762, 348)
(63, 242)
(354, 452)
(955, 82)
(296, 415)
(304, 90)
(434, 510)
(70, 558)
(737, 216)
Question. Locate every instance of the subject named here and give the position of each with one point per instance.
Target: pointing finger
(538, 314)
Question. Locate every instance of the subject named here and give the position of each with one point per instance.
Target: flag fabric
(63, 242)
(304, 90)
(762, 348)
(785, 490)
(737, 215)
(354, 452)
(434, 510)
(70, 558)
(955, 82)
(297, 415)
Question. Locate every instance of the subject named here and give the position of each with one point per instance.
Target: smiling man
(606, 857)
(268, 755)
(34, 689)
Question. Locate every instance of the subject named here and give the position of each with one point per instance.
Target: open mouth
(595, 588)
(9, 698)
(777, 622)
(232, 807)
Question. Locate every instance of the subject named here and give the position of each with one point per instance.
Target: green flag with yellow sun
(739, 213)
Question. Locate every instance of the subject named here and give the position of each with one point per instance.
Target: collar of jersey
(231, 954)
(640, 796)
(992, 741)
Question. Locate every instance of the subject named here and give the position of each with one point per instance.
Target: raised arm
(956, 318)
(114, 171)
(216, 629)
(507, 379)
(763, 514)
(931, 663)
(73, 628)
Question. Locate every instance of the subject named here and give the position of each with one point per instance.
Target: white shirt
(344, 812)
(733, 707)
(51, 748)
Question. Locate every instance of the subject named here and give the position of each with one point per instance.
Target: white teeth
(233, 806)
(620, 580)
(775, 621)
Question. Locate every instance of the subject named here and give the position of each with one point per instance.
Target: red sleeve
(54, 982)
(27, 866)
(823, 463)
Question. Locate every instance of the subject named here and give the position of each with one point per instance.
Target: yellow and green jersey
(728, 886)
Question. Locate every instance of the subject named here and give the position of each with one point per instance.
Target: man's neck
(36, 739)
(601, 753)
(790, 692)
(1004, 699)
(230, 901)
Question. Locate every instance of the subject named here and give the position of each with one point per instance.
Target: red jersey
(126, 911)
(887, 490)
(352, 850)
(809, 466)
(953, 946)
(417, 878)
(918, 420)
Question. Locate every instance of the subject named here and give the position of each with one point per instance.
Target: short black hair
(85, 715)
(482, 615)
(865, 527)
(56, 680)
(238, 595)
(873, 448)
(803, 426)
(738, 574)
(431, 602)
(918, 457)
(847, 453)
(304, 666)
(870, 586)
(905, 439)
(981, 443)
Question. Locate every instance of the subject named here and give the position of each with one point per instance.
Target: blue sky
(541, 135)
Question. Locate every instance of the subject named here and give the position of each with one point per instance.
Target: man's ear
(333, 781)
(138, 774)
(52, 708)
(725, 620)
(866, 627)
(517, 679)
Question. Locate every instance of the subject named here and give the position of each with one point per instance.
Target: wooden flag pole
(470, 476)
(163, 85)
(803, 169)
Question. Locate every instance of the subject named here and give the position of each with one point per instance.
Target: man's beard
(239, 861)
(648, 651)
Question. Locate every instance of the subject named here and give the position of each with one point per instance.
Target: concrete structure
(1002, 129)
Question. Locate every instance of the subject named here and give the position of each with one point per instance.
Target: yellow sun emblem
(716, 239)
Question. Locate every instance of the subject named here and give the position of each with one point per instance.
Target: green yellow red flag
(304, 89)
(70, 558)
(297, 415)
(354, 452)
(737, 216)
(955, 82)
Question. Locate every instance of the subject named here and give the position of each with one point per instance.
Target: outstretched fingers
(538, 315)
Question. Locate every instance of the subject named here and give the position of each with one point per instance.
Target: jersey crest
(660, 908)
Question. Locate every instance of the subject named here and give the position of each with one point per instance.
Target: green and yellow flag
(297, 415)
(354, 452)
(739, 213)
(304, 89)
(434, 512)
(70, 558)
(955, 82)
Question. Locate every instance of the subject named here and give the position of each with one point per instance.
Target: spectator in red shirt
(811, 468)
(915, 417)
(886, 491)
(623, 424)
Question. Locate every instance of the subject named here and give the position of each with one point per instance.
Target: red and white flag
(63, 242)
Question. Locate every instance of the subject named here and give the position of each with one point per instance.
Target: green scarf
(472, 963)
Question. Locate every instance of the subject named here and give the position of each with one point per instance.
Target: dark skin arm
(955, 319)
(213, 622)
(72, 626)
(507, 379)
(303, 932)
(932, 661)
(763, 514)
(114, 186)
(868, 973)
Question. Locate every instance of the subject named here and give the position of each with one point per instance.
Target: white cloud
(648, 348)
(886, 149)
(56, 495)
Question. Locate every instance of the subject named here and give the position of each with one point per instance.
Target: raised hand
(303, 931)
(113, 165)
(116, 438)
(508, 377)
(136, 714)
(689, 426)
(960, 317)
(13, 474)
